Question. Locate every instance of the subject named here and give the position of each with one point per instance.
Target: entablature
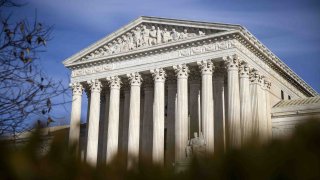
(212, 40)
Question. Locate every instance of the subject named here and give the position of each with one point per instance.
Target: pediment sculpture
(145, 35)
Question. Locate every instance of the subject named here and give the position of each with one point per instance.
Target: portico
(157, 67)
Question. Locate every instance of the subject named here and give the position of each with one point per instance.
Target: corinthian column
(255, 91)
(207, 103)
(113, 119)
(93, 130)
(159, 77)
(263, 123)
(74, 132)
(233, 117)
(245, 103)
(268, 106)
(181, 123)
(134, 119)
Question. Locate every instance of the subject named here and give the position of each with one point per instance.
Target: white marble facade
(166, 79)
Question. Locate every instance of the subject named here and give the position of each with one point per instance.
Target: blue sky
(288, 28)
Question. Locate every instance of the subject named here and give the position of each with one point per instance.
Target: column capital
(244, 70)
(77, 88)
(206, 67)
(158, 74)
(231, 62)
(114, 82)
(95, 85)
(135, 79)
(267, 84)
(181, 70)
(255, 77)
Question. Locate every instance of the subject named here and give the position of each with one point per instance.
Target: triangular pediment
(146, 32)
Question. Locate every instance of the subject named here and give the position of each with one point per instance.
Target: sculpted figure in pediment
(145, 36)
(130, 41)
(175, 35)
(137, 37)
(166, 35)
(91, 55)
(125, 44)
(97, 53)
(108, 49)
(153, 36)
(184, 34)
(201, 33)
(120, 45)
(159, 35)
(101, 52)
(116, 46)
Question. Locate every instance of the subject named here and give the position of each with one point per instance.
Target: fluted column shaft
(255, 91)
(134, 119)
(74, 132)
(181, 123)
(159, 76)
(268, 107)
(234, 126)
(245, 104)
(93, 131)
(206, 68)
(113, 120)
(263, 124)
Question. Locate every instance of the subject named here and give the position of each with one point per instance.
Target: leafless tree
(25, 90)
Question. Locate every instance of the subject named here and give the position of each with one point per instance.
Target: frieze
(187, 51)
(184, 52)
(216, 46)
(91, 70)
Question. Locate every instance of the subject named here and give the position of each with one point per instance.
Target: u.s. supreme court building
(158, 86)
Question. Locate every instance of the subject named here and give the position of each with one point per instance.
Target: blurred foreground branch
(296, 157)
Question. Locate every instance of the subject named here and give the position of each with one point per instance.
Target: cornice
(161, 48)
(264, 54)
(242, 35)
(153, 20)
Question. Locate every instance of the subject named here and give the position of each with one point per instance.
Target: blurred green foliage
(296, 157)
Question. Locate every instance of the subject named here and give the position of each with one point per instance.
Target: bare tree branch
(25, 91)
